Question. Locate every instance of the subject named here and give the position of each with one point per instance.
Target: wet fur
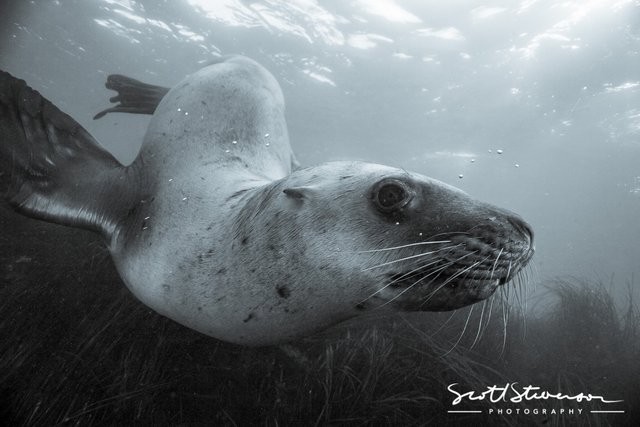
(210, 227)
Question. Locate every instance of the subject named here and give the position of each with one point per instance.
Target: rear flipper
(53, 169)
(133, 95)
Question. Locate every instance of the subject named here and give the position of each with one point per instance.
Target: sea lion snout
(449, 249)
(504, 231)
(500, 241)
(522, 227)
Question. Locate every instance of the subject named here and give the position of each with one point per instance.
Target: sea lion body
(219, 132)
(210, 227)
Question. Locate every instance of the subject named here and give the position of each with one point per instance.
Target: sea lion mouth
(465, 270)
(454, 277)
(469, 259)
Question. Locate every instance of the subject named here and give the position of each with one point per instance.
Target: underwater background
(532, 105)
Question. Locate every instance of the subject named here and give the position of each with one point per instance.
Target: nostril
(524, 228)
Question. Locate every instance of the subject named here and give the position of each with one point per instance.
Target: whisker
(523, 307)
(486, 325)
(516, 292)
(449, 279)
(409, 273)
(505, 320)
(493, 269)
(506, 291)
(434, 292)
(495, 263)
(464, 329)
(448, 233)
(524, 295)
(467, 269)
(409, 257)
(413, 271)
(419, 267)
(401, 247)
(439, 269)
(442, 253)
(475, 340)
(445, 323)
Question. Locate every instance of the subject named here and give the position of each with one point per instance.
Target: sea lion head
(393, 238)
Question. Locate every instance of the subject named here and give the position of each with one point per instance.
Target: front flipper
(134, 96)
(53, 169)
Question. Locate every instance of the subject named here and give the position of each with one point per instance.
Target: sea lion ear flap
(299, 193)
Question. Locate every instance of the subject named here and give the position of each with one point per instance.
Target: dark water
(531, 105)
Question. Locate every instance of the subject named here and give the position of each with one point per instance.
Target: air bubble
(460, 176)
(266, 135)
(517, 165)
(234, 142)
(499, 151)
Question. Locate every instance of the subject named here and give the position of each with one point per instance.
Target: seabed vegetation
(77, 349)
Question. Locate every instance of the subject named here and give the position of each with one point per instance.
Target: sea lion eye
(389, 195)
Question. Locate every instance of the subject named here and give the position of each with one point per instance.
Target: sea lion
(210, 227)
